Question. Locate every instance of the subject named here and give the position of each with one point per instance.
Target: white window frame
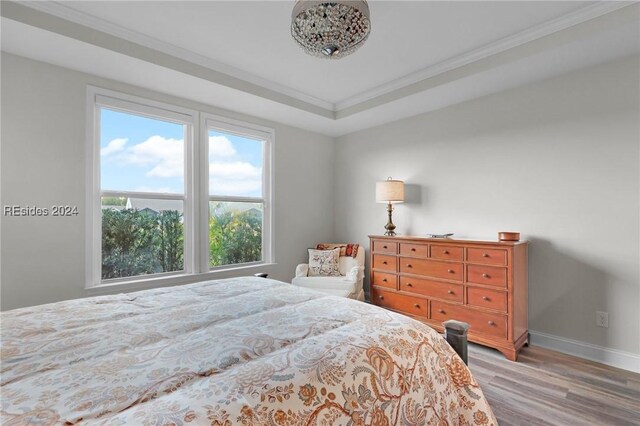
(251, 131)
(196, 193)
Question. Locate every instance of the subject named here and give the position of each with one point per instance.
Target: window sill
(172, 280)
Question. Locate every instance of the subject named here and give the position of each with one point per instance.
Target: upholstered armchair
(347, 284)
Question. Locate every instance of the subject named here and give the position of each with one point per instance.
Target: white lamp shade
(390, 191)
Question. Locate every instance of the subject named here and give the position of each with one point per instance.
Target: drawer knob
(451, 271)
(409, 285)
(450, 292)
(483, 254)
(384, 280)
(491, 323)
(485, 275)
(409, 266)
(445, 252)
(381, 297)
(384, 262)
(384, 246)
(485, 298)
(441, 311)
(413, 249)
(416, 306)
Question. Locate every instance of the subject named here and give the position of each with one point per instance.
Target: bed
(249, 351)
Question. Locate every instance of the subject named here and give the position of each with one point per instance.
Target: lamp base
(390, 227)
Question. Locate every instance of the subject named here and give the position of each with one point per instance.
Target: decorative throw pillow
(324, 263)
(345, 249)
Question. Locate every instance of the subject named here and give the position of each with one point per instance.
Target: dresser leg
(510, 354)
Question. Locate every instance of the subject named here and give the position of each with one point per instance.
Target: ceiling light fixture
(330, 29)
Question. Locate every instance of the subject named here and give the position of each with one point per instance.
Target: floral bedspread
(248, 351)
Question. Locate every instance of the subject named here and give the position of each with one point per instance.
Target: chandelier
(330, 29)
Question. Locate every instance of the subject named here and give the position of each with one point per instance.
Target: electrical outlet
(602, 319)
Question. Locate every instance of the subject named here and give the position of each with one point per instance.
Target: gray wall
(557, 160)
(43, 163)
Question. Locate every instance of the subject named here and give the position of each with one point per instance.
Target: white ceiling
(254, 37)
(241, 53)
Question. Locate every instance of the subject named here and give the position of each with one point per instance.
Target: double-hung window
(238, 193)
(173, 192)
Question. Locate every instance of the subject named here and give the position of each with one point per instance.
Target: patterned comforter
(248, 351)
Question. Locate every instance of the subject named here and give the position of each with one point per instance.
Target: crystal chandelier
(330, 29)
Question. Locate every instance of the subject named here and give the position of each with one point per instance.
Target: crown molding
(62, 11)
(546, 28)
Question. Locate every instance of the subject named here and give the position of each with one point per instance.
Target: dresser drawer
(446, 253)
(431, 268)
(479, 322)
(399, 302)
(487, 275)
(385, 247)
(487, 256)
(435, 289)
(382, 279)
(384, 262)
(487, 298)
(421, 250)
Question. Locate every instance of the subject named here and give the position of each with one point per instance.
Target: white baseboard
(613, 357)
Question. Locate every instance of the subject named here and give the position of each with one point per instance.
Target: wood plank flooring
(549, 388)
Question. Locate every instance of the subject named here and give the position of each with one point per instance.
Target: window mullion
(224, 199)
(203, 199)
(190, 217)
(145, 195)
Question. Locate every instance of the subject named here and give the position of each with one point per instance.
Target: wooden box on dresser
(483, 283)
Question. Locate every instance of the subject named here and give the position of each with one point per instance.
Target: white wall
(42, 163)
(556, 160)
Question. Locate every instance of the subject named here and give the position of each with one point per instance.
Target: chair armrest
(302, 270)
(354, 273)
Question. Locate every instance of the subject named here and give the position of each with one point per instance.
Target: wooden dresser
(483, 283)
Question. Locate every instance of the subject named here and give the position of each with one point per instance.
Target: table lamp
(390, 191)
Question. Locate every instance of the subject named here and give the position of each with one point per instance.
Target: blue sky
(143, 154)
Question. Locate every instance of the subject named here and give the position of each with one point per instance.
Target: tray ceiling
(243, 50)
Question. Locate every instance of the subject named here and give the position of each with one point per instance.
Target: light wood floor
(549, 388)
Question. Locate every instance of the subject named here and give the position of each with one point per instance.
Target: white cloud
(220, 146)
(234, 170)
(113, 146)
(237, 188)
(166, 156)
(234, 178)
